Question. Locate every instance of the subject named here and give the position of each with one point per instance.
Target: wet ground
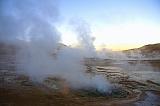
(135, 76)
(138, 82)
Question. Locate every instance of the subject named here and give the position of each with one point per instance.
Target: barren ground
(138, 88)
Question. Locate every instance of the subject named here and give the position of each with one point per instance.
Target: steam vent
(79, 53)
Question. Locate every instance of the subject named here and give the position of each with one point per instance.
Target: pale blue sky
(114, 22)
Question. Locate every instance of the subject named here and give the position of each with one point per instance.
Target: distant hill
(147, 48)
(151, 50)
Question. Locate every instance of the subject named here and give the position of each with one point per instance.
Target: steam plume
(83, 32)
(31, 25)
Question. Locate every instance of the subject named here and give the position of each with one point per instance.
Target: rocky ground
(18, 90)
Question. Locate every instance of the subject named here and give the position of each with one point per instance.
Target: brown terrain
(150, 50)
(19, 90)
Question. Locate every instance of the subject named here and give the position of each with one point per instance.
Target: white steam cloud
(30, 24)
(83, 32)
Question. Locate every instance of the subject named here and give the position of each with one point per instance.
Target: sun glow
(126, 36)
(117, 37)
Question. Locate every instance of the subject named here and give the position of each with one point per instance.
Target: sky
(115, 24)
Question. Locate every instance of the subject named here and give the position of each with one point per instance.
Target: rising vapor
(30, 25)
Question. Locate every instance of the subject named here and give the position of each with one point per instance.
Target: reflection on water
(138, 75)
(150, 100)
(142, 70)
(139, 65)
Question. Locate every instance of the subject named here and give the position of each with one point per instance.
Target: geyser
(30, 24)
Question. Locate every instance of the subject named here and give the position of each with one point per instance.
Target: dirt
(18, 90)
